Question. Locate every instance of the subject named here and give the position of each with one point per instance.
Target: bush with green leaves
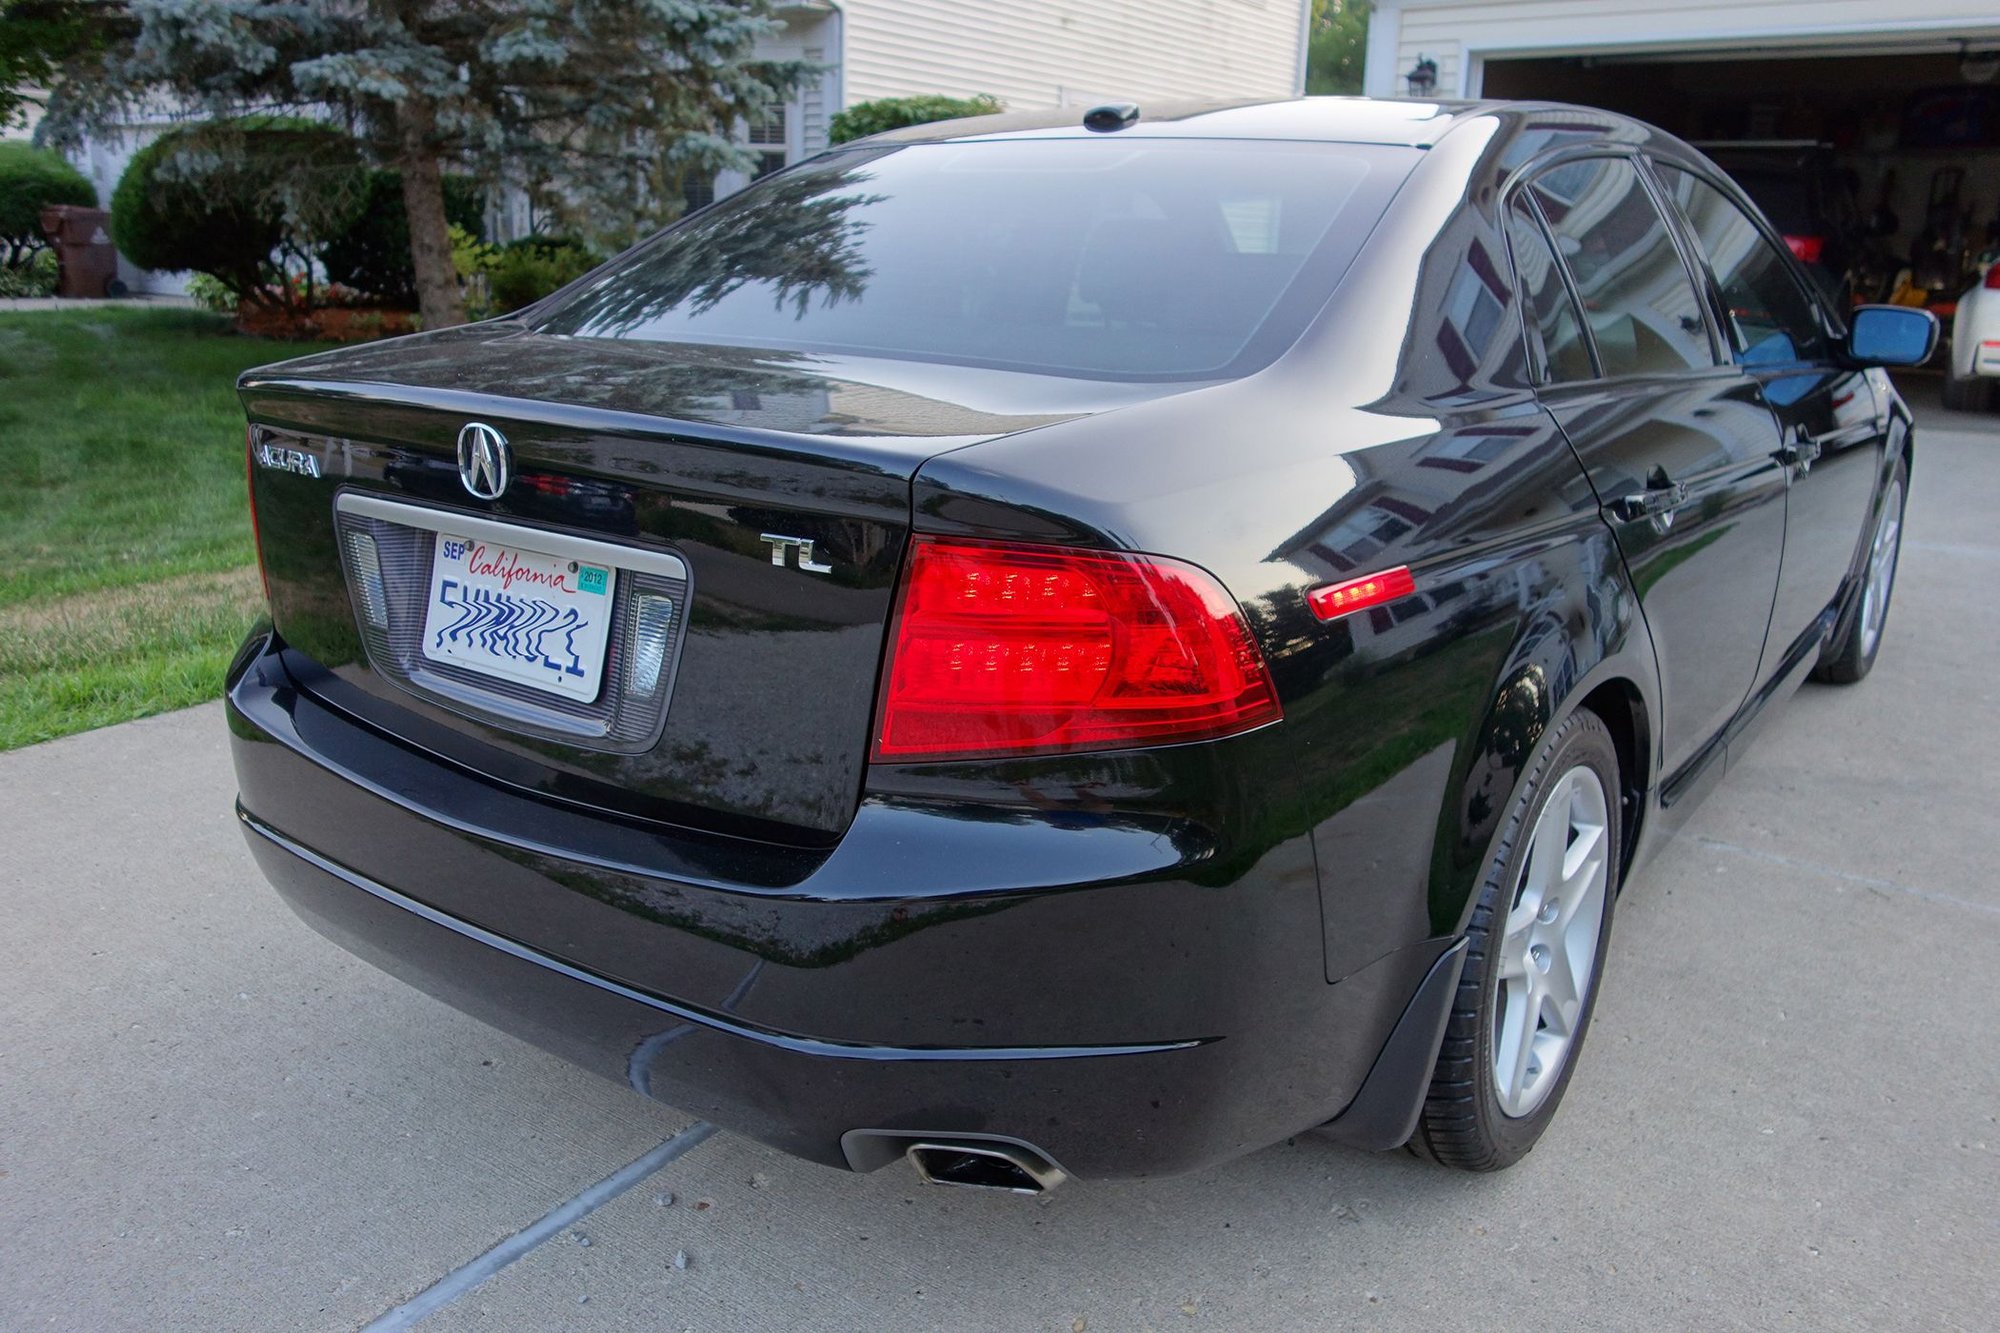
(36, 277)
(894, 113)
(1337, 46)
(244, 201)
(265, 206)
(209, 294)
(31, 180)
(500, 279)
(370, 250)
(600, 102)
(525, 271)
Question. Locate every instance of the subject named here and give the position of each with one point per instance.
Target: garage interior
(1915, 125)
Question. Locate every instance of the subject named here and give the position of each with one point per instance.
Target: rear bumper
(1138, 1023)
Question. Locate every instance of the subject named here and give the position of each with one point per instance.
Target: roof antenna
(1111, 116)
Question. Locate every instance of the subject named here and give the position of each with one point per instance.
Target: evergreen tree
(601, 105)
(38, 36)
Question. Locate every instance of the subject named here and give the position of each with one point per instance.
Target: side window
(1771, 320)
(1552, 318)
(1640, 303)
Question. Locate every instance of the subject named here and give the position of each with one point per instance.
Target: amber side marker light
(1339, 599)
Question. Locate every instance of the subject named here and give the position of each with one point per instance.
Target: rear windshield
(1150, 259)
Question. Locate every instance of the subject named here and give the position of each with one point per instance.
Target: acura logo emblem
(485, 464)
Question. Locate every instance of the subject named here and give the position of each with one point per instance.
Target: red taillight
(250, 488)
(1807, 249)
(1339, 599)
(1992, 282)
(1006, 650)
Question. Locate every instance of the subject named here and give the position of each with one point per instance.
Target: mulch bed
(344, 324)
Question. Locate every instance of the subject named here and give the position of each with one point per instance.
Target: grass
(127, 572)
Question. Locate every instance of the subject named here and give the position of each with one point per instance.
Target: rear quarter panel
(1400, 431)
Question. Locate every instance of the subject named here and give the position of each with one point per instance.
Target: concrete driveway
(209, 1118)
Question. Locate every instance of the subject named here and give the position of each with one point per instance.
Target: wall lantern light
(1423, 77)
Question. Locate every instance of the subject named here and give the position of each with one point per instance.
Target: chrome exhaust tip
(984, 1164)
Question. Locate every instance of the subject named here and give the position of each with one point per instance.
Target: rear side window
(1644, 315)
(1553, 324)
(1785, 196)
(1157, 259)
(1771, 319)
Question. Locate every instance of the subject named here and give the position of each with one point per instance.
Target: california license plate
(520, 615)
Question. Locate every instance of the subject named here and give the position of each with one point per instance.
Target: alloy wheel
(1548, 949)
(1881, 576)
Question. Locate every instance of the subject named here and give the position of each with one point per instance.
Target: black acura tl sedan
(1072, 645)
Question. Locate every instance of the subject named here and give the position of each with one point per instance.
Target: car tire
(1514, 1033)
(1966, 394)
(1857, 637)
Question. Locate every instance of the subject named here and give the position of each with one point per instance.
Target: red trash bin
(87, 260)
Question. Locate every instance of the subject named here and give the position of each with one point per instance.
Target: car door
(1676, 440)
(1831, 426)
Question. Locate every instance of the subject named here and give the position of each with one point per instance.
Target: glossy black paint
(1137, 961)
(698, 450)
(1081, 980)
(1703, 571)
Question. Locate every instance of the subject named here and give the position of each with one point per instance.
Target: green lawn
(126, 568)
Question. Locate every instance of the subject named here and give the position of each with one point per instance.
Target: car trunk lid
(761, 498)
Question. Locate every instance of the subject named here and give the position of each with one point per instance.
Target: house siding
(1458, 33)
(1035, 54)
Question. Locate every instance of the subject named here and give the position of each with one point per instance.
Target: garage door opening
(1908, 144)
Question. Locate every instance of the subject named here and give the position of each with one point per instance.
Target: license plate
(506, 611)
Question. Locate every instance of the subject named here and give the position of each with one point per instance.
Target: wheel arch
(1603, 662)
(1902, 438)
(1900, 447)
(1622, 708)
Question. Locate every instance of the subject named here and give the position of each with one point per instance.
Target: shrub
(209, 294)
(243, 201)
(470, 258)
(280, 212)
(893, 113)
(35, 277)
(500, 279)
(369, 250)
(31, 180)
(523, 272)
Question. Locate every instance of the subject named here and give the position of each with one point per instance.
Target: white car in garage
(1973, 367)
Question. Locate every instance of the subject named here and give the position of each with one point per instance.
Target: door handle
(1655, 501)
(1801, 451)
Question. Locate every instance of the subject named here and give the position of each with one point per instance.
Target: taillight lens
(1992, 282)
(1807, 249)
(1001, 649)
(250, 489)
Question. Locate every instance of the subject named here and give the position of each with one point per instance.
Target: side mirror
(1891, 335)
